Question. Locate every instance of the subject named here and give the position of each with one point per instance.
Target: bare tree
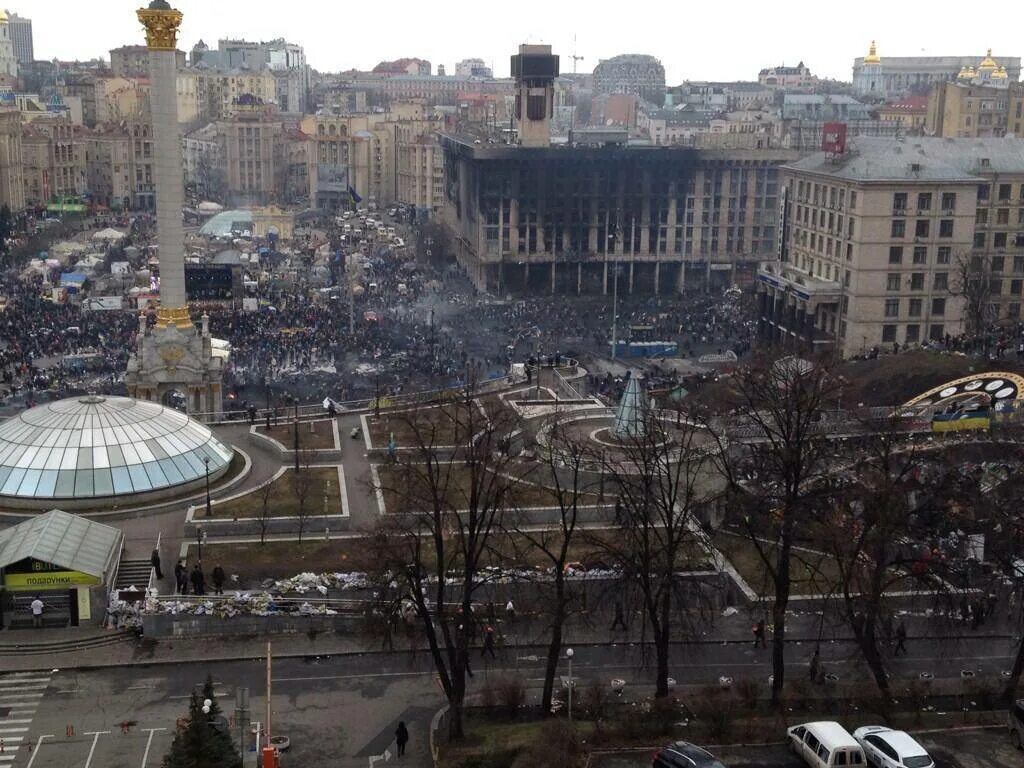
(303, 486)
(780, 469)
(563, 469)
(456, 498)
(867, 528)
(973, 281)
(665, 478)
(266, 493)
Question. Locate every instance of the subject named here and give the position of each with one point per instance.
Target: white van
(825, 745)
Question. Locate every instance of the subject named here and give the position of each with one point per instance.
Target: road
(338, 710)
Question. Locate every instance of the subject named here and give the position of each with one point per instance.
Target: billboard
(103, 303)
(331, 178)
(212, 282)
(833, 138)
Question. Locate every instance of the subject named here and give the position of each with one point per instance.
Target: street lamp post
(199, 543)
(295, 434)
(569, 654)
(206, 464)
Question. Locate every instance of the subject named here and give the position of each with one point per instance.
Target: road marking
(216, 695)
(5, 721)
(23, 680)
(71, 690)
(149, 742)
(12, 730)
(140, 687)
(35, 751)
(95, 737)
(12, 738)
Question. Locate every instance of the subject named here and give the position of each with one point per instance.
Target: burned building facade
(569, 219)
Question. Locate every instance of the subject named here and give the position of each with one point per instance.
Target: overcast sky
(694, 40)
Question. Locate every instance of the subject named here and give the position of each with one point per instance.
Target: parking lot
(140, 747)
(974, 748)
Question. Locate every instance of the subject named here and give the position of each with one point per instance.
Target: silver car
(886, 748)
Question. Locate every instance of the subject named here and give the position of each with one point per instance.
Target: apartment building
(873, 236)
(53, 157)
(569, 219)
(420, 164)
(252, 153)
(12, 179)
(109, 167)
(966, 110)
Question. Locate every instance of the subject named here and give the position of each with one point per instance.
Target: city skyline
(69, 30)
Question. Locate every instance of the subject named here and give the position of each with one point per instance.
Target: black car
(683, 754)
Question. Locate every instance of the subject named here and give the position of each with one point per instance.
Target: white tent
(109, 235)
(208, 207)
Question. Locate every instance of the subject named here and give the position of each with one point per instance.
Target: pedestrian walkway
(20, 694)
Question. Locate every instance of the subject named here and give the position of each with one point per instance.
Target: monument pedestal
(172, 358)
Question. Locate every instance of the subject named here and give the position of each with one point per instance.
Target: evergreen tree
(200, 744)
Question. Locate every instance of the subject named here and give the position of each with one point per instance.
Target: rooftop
(95, 446)
(919, 159)
(68, 541)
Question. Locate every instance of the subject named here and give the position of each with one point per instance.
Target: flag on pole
(354, 195)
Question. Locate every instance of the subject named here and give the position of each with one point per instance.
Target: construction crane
(575, 58)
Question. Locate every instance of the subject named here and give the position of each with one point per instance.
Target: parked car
(683, 754)
(825, 745)
(1016, 723)
(886, 748)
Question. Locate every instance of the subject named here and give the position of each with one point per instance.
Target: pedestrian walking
(218, 580)
(815, 666)
(37, 606)
(901, 639)
(488, 647)
(620, 620)
(510, 611)
(491, 614)
(198, 580)
(154, 559)
(401, 737)
(759, 635)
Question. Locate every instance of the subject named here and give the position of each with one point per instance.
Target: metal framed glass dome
(97, 446)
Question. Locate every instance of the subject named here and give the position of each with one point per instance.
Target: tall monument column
(172, 355)
(161, 23)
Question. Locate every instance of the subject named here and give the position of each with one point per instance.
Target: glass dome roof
(103, 446)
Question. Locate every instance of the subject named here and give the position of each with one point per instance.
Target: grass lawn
(812, 572)
(284, 496)
(404, 488)
(442, 425)
(254, 562)
(487, 738)
(322, 436)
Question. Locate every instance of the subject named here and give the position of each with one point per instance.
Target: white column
(170, 184)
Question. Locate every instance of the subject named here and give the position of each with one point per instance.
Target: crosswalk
(20, 696)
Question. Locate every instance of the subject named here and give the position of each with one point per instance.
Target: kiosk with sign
(67, 561)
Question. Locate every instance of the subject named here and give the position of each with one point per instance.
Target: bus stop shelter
(67, 561)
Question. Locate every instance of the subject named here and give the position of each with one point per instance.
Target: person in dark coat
(401, 737)
(218, 580)
(154, 559)
(198, 580)
(181, 577)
